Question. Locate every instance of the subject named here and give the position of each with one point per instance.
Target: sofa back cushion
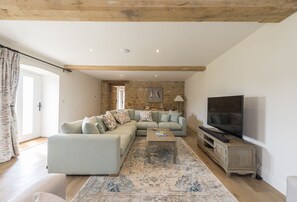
(155, 115)
(74, 127)
(113, 112)
(131, 113)
(137, 115)
(165, 118)
(174, 116)
(160, 114)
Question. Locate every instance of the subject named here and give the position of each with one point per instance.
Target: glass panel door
(29, 105)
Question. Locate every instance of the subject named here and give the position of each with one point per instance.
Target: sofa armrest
(183, 121)
(291, 189)
(51, 183)
(82, 154)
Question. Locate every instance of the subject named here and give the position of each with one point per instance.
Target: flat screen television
(226, 114)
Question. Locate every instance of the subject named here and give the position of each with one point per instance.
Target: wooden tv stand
(235, 156)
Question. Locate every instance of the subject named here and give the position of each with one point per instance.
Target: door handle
(39, 106)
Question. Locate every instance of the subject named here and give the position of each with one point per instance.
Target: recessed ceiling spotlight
(157, 51)
(91, 50)
(124, 50)
(156, 75)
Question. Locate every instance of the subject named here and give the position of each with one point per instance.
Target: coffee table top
(152, 137)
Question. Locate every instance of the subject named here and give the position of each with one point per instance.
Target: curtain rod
(64, 69)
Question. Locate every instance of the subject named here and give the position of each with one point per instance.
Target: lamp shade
(178, 99)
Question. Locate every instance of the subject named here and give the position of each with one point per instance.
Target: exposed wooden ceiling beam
(148, 10)
(137, 68)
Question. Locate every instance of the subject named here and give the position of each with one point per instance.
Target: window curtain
(9, 77)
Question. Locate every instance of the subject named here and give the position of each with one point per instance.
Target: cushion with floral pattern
(122, 117)
(109, 121)
(145, 116)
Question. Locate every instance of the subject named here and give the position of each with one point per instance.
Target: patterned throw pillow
(109, 121)
(145, 116)
(122, 117)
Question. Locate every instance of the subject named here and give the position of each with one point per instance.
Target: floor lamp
(179, 100)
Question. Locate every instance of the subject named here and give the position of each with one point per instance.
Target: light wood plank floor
(31, 165)
(31, 143)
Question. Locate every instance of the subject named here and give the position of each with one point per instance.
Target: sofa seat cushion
(145, 125)
(170, 125)
(125, 140)
(126, 129)
(131, 123)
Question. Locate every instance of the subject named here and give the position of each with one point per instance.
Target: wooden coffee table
(153, 139)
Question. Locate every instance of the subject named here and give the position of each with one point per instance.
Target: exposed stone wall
(105, 96)
(113, 98)
(136, 94)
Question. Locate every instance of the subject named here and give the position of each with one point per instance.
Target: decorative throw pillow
(174, 116)
(165, 118)
(100, 125)
(122, 117)
(85, 120)
(109, 121)
(46, 197)
(145, 116)
(90, 128)
(72, 127)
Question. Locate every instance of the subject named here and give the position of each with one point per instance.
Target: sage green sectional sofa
(74, 153)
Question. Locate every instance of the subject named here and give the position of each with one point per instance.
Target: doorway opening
(117, 97)
(37, 103)
(120, 97)
(28, 105)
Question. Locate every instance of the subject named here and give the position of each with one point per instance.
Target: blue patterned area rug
(161, 180)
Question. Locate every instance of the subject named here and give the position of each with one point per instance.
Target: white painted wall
(79, 94)
(263, 67)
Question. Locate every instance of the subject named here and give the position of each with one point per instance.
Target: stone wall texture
(136, 94)
(105, 96)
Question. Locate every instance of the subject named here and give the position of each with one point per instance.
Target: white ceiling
(180, 44)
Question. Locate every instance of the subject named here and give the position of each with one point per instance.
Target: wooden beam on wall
(148, 10)
(137, 68)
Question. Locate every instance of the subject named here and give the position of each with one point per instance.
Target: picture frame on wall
(154, 94)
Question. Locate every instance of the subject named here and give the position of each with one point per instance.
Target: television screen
(226, 114)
